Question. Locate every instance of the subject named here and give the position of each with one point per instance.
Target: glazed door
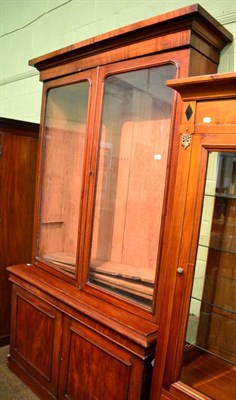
(209, 355)
(67, 131)
(131, 170)
(201, 354)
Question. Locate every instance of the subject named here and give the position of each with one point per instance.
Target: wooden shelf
(128, 278)
(212, 376)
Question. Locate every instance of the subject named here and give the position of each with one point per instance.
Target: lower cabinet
(62, 353)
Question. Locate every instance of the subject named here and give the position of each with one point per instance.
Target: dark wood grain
(18, 156)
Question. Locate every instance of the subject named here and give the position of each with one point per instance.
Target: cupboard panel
(95, 368)
(35, 341)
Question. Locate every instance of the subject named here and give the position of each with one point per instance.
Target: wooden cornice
(214, 86)
(193, 18)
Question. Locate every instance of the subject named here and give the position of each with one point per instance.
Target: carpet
(11, 387)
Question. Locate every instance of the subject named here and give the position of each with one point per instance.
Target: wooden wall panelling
(18, 156)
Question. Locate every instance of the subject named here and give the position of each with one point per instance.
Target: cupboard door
(93, 367)
(35, 340)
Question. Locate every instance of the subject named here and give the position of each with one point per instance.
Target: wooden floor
(211, 376)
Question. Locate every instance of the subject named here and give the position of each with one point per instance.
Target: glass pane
(63, 158)
(134, 142)
(209, 361)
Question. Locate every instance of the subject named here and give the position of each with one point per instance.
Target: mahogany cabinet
(18, 155)
(86, 311)
(198, 343)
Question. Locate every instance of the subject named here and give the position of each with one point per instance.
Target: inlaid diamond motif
(188, 112)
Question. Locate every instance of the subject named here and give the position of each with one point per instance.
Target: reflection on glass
(63, 155)
(134, 142)
(209, 360)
